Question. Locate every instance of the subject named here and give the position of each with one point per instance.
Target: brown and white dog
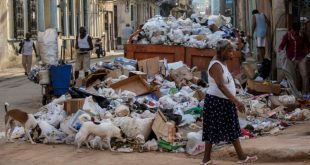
(105, 130)
(28, 121)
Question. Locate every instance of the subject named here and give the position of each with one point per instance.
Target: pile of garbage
(188, 32)
(158, 107)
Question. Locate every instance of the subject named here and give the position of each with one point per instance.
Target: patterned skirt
(220, 120)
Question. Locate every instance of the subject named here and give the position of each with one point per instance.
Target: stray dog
(28, 121)
(105, 130)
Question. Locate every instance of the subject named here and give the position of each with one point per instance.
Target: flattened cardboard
(149, 66)
(162, 128)
(139, 73)
(134, 84)
(276, 110)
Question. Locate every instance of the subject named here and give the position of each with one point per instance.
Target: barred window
(18, 18)
(32, 17)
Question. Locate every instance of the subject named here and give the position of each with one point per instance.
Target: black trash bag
(171, 116)
(264, 70)
(76, 93)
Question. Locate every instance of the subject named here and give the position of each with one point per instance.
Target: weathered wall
(8, 56)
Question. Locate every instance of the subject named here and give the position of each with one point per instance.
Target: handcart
(59, 83)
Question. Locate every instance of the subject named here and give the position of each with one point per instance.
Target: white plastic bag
(48, 46)
(151, 145)
(92, 107)
(51, 134)
(195, 145)
(52, 113)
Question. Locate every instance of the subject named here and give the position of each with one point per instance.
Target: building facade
(21, 16)
(134, 13)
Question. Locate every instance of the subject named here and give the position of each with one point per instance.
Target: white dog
(105, 130)
(28, 121)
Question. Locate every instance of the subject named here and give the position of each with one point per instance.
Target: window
(18, 19)
(32, 17)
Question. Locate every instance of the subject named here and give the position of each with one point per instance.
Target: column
(59, 23)
(41, 22)
(81, 13)
(53, 13)
(10, 18)
(74, 17)
(67, 20)
(25, 16)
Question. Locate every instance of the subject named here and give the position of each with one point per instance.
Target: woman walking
(26, 47)
(220, 120)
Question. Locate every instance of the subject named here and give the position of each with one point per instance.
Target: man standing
(83, 47)
(127, 31)
(260, 24)
(26, 47)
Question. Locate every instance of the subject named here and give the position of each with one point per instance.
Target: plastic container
(60, 78)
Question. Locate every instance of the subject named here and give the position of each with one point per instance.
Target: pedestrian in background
(260, 25)
(126, 32)
(26, 47)
(220, 119)
(99, 49)
(83, 48)
(296, 45)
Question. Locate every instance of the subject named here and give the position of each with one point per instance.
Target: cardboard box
(139, 73)
(149, 66)
(134, 84)
(73, 105)
(163, 129)
(99, 75)
(258, 87)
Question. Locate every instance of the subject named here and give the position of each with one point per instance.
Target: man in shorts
(83, 48)
(260, 24)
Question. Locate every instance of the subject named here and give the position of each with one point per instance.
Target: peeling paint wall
(8, 56)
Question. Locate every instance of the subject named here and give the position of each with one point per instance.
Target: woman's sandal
(249, 159)
(210, 162)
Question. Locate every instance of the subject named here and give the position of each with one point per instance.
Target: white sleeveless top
(228, 82)
(27, 47)
(83, 43)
